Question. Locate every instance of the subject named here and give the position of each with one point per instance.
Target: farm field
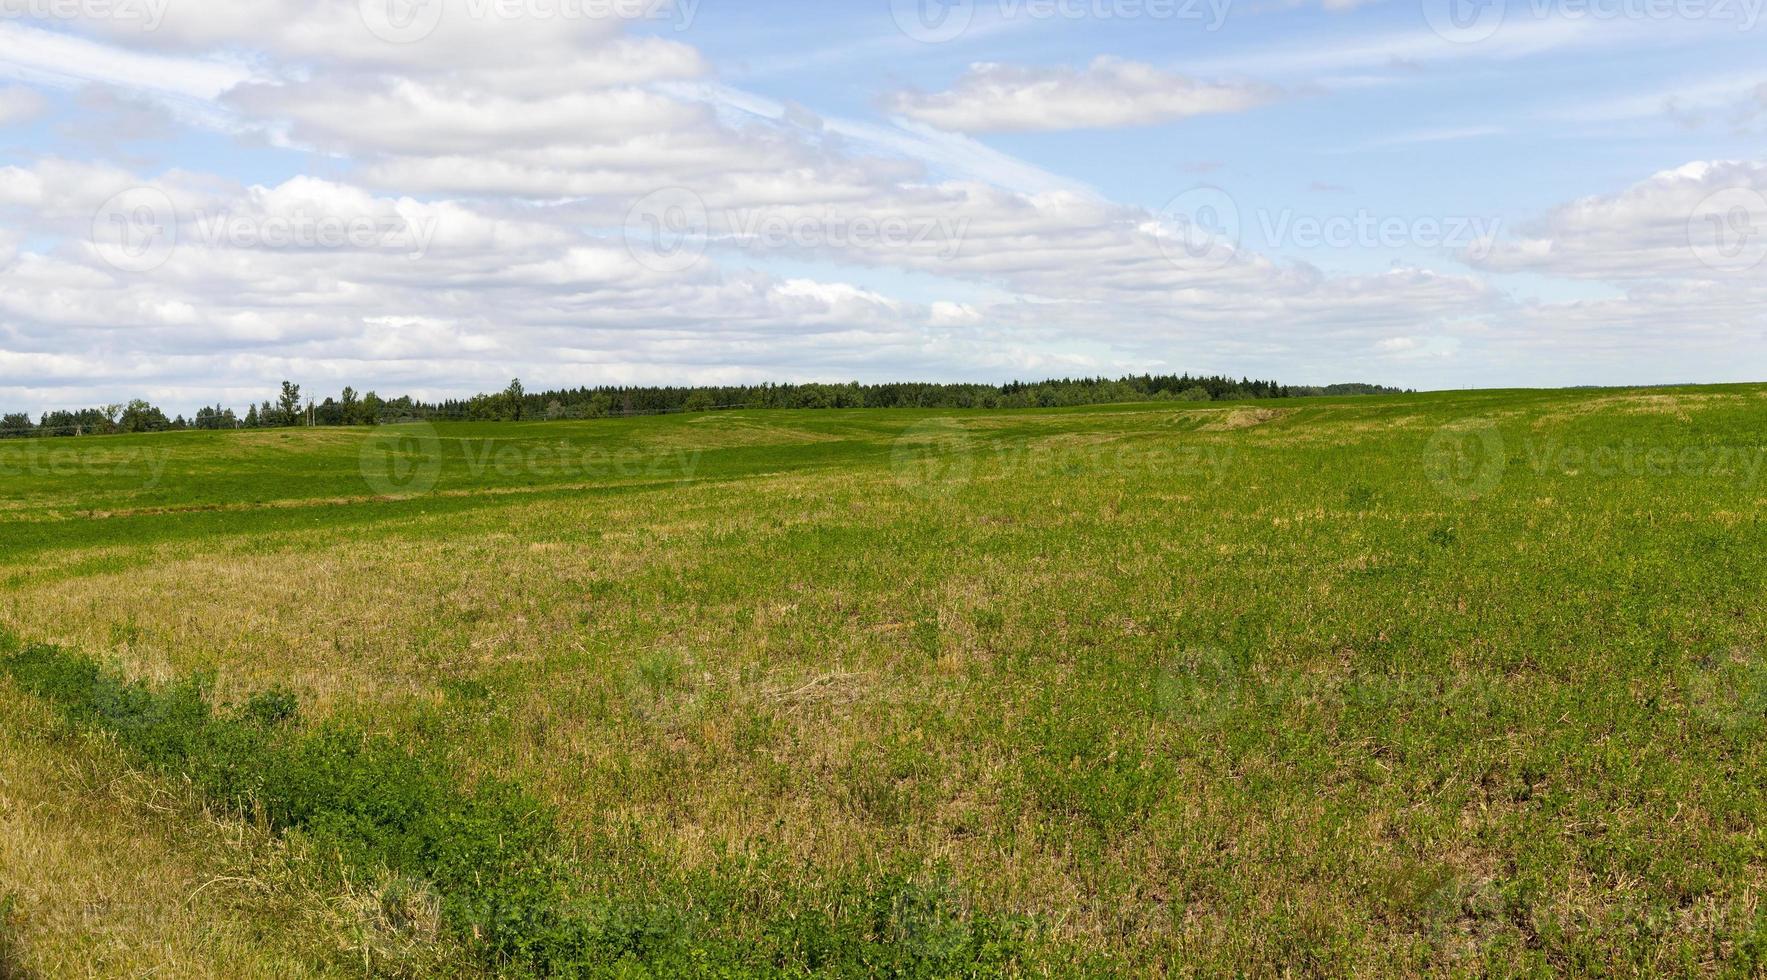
(1439, 684)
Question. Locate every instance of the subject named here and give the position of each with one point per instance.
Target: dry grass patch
(1245, 418)
(111, 873)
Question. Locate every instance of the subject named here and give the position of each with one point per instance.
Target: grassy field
(1443, 684)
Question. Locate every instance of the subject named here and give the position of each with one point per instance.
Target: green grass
(1450, 684)
(505, 884)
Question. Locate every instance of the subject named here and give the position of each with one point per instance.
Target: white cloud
(951, 155)
(1408, 49)
(948, 314)
(445, 37)
(501, 289)
(18, 105)
(1108, 93)
(520, 148)
(434, 118)
(1701, 222)
(1441, 134)
(1735, 97)
(47, 57)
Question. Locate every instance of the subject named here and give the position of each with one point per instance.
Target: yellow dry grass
(1244, 418)
(115, 874)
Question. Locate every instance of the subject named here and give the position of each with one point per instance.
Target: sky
(200, 198)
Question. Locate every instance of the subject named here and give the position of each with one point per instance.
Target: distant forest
(514, 403)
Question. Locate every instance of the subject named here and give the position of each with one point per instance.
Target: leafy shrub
(272, 707)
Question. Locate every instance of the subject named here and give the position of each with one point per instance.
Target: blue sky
(198, 199)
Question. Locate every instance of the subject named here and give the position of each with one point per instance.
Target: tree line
(290, 408)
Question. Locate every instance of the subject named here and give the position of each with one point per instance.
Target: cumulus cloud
(1703, 221)
(1686, 253)
(436, 37)
(1108, 93)
(404, 116)
(473, 196)
(253, 288)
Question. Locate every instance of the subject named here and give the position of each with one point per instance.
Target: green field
(1440, 684)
